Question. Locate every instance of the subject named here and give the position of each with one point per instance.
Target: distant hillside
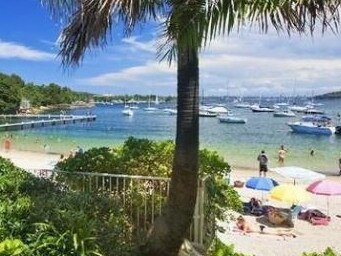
(331, 95)
(13, 89)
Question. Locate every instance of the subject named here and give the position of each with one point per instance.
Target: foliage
(13, 88)
(151, 158)
(38, 217)
(218, 248)
(327, 252)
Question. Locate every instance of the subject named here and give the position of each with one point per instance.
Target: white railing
(142, 197)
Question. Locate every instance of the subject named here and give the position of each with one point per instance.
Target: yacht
(298, 108)
(218, 110)
(312, 128)
(207, 114)
(127, 112)
(149, 108)
(316, 118)
(232, 119)
(242, 105)
(284, 113)
(257, 108)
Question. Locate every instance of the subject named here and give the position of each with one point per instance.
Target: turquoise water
(239, 144)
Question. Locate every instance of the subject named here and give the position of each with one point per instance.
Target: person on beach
(281, 154)
(263, 163)
(312, 152)
(8, 144)
(242, 225)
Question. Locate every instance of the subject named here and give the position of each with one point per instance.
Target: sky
(246, 63)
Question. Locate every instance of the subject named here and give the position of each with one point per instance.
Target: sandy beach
(308, 238)
(31, 160)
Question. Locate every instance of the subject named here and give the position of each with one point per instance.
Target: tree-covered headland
(13, 89)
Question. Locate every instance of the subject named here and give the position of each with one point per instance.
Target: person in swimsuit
(281, 154)
(263, 163)
(242, 225)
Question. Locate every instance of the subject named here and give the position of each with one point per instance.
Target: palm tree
(190, 25)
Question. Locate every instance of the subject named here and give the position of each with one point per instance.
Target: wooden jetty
(47, 120)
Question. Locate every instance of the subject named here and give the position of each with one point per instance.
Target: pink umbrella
(325, 187)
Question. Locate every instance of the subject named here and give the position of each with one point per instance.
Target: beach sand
(31, 160)
(308, 238)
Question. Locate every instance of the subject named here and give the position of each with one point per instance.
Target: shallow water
(238, 143)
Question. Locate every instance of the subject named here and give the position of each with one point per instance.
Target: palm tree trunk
(168, 232)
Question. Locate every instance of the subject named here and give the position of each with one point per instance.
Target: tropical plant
(189, 26)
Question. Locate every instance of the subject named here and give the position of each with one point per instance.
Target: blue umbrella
(261, 183)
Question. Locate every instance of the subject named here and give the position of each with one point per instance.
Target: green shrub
(38, 217)
(218, 248)
(327, 252)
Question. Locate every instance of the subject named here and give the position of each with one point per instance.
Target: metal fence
(142, 198)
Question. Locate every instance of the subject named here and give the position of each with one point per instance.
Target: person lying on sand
(244, 228)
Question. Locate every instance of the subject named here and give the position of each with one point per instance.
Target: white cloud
(10, 50)
(149, 46)
(250, 63)
(152, 71)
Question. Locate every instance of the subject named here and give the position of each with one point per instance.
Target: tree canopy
(13, 88)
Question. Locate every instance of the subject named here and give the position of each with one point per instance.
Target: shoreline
(18, 157)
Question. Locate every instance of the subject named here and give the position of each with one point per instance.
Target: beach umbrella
(289, 193)
(326, 188)
(298, 173)
(261, 183)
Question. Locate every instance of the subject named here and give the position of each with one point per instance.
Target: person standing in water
(281, 154)
(263, 163)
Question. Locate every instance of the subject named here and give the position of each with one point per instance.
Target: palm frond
(92, 21)
(284, 15)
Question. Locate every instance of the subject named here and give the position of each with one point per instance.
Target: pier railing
(141, 197)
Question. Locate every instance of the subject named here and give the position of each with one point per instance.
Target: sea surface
(239, 144)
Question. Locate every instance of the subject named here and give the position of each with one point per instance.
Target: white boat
(242, 105)
(218, 110)
(284, 113)
(298, 108)
(207, 114)
(232, 119)
(170, 111)
(127, 112)
(149, 108)
(134, 107)
(312, 128)
(261, 109)
(316, 118)
(282, 104)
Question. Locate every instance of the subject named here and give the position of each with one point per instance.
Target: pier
(46, 120)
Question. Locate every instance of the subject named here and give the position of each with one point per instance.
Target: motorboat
(127, 112)
(312, 128)
(284, 113)
(298, 108)
(260, 109)
(170, 111)
(232, 119)
(316, 118)
(207, 114)
(242, 105)
(218, 110)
